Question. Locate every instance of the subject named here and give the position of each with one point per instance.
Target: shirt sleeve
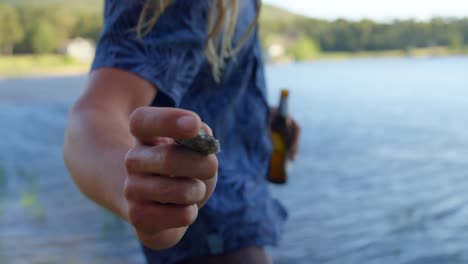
(169, 56)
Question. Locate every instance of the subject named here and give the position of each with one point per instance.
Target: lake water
(382, 175)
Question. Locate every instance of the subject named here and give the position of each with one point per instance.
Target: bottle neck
(283, 106)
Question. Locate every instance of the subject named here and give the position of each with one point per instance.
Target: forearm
(95, 147)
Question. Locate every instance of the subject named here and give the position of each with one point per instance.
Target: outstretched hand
(166, 184)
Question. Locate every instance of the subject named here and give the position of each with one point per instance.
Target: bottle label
(279, 162)
(278, 143)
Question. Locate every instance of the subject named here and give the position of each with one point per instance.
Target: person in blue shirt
(163, 70)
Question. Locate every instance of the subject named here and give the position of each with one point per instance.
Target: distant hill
(269, 12)
(82, 5)
(278, 26)
(272, 13)
(284, 35)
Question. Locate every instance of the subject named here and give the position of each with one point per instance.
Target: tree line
(36, 30)
(46, 29)
(365, 35)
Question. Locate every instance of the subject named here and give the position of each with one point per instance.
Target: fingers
(160, 208)
(163, 240)
(146, 123)
(207, 129)
(165, 190)
(166, 184)
(171, 160)
(144, 217)
(295, 139)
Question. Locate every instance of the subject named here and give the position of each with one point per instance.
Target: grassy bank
(412, 53)
(30, 65)
(417, 53)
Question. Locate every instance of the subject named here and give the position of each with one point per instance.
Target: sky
(382, 10)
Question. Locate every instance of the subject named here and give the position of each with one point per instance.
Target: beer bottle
(281, 132)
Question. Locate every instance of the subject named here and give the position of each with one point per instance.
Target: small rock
(202, 143)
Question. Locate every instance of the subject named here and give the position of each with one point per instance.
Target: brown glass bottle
(281, 133)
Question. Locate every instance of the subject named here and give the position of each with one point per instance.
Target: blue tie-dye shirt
(240, 212)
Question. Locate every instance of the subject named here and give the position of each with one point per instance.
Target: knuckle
(130, 190)
(166, 157)
(132, 160)
(190, 194)
(199, 191)
(136, 118)
(136, 217)
(186, 196)
(213, 166)
(163, 190)
(187, 216)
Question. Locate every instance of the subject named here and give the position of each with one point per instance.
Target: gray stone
(202, 143)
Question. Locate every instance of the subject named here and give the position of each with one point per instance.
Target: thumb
(146, 123)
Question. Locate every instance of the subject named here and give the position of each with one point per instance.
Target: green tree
(62, 21)
(28, 17)
(440, 31)
(463, 25)
(10, 29)
(88, 26)
(456, 41)
(43, 38)
(350, 36)
(305, 49)
(59, 19)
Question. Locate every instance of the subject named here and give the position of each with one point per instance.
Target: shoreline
(420, 53)
(48, 65)
(351, 58)
(45, 74)
(27, 66)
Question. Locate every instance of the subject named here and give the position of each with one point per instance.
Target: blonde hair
(222, 21)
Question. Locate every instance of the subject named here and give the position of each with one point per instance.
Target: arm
(118, 152)
(98, 136)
